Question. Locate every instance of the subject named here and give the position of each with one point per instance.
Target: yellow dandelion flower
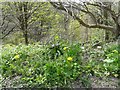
(16, 57)
(69, 58)
(65, 48)
(57, 37)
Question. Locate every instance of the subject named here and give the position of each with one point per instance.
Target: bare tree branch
(8, 32)
(61, 7)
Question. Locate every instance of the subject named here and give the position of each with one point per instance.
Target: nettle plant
(42, 66)
(17, 60)
(59, 48)
(111, 63)
(65, 64)
(66, 68)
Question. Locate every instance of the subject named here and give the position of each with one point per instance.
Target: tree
(87, 8)
(18, 13)
(30, 18)
(106, 16)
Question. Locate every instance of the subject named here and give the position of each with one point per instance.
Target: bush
(112, 63)
(21, 60)
(109, 65)
(104, 62)
(33, 63)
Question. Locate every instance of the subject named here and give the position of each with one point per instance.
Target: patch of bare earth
(109, 82)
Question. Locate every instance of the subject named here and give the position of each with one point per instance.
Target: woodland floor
(96, 82)
(104, 82)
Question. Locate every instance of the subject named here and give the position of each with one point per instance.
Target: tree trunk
(26, 38)
(86, 31)
(118, 25)
(117, 31)
(118, 37)
(66, 26)
(23, 19)
(25, 23)
(106, 15)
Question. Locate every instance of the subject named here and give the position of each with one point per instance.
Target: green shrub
(34, 65)
(112, 61)
(61, 73)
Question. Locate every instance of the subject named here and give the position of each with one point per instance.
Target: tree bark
(106, 15)
(25, 24)
(117, 31)
(100, 26)
(118, 26)
(86, 31)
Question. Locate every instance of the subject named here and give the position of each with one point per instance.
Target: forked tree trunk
(117, 31)
(26, 38)
(118, 26)
(106, 16)
(86, 31)
(23, 20)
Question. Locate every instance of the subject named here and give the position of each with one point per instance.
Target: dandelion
(16, 57)
(69, 58)
(57, 37)
(65, 48)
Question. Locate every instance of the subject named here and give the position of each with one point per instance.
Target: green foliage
(111, 63)
(58, 66)
(61, 73)
(65, 66)
(18, 59)
(15, 38)
(104, 61)
(36, 69)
